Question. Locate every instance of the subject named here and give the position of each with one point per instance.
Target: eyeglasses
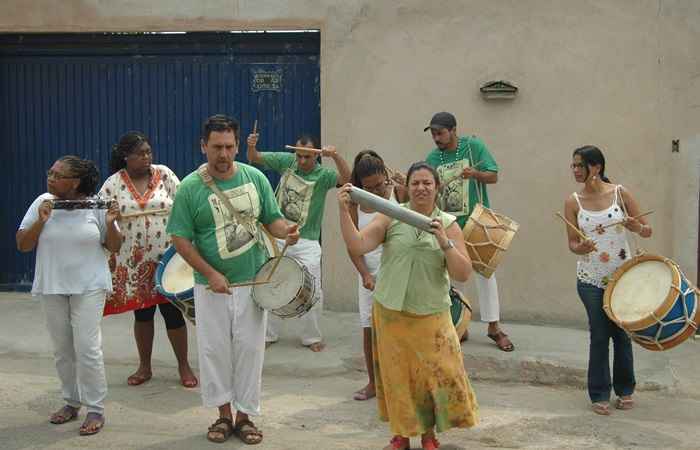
(51, 174)
(577, 166)
(141, 154)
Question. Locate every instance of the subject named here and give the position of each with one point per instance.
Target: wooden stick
(305, 149)
(277, 262)
(573, 227)
(247, 283)
(145, 213)
(255, 127)
(622, 221)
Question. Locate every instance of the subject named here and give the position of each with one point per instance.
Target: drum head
(284, 285)
(641, 290)
(176, 277)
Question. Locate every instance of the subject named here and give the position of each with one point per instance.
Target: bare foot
(139, 377)
(365, 393)
(187, 377)
(317, 347)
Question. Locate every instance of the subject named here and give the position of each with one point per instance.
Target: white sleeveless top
(612, 248)
(363, 219)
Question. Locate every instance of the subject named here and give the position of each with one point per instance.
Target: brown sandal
(248, 432)
(601, 408)
(64, 415)
(624, 403)
(502, 341)
(92, 418)
(219, 434)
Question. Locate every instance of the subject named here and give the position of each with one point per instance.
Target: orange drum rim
(654, 317)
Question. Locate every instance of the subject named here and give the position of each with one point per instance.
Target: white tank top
(612, 248)
(363, 219)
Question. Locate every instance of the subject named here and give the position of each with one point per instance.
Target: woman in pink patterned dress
(139, 186)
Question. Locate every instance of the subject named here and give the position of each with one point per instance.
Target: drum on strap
(487, 235)
(461, 312)
(175, 278)
(175, 281)
(652, 300)
(291, 290)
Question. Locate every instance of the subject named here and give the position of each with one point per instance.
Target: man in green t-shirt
(466, 166)
(223, 245)
(301, 195)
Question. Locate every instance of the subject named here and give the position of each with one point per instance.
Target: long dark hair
(85, 170)
(592, 156)
(367, 163)
(128, 143)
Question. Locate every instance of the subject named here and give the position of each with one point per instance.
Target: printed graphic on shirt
(294, 197)
(454, 198)
(234, 237)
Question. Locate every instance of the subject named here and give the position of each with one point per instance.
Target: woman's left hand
(113, 213)
(439, 232)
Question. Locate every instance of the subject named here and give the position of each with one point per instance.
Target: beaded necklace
(457, 155)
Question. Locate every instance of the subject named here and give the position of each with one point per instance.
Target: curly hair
(128, 143)
(367, 163)
(85, 170)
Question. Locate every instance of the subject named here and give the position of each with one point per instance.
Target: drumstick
(255, 127)
(622, 221)
(277, 262)
(305, 149)
(247, 283)
(145, 213)
(573, 227)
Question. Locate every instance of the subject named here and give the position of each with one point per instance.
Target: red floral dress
(145, 241)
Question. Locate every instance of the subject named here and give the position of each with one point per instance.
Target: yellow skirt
(419, 373)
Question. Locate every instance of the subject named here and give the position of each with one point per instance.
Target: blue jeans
(602, 329)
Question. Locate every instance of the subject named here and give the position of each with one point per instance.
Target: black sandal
(215, 430)
(248, 432)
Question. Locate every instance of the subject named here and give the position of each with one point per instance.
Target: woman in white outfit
(370, 174)
(72, 279)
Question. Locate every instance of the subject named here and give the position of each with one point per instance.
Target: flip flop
(624, 403)
(601, 408)
(136, 380)
(92, 418)
(502, 341)
(64, 415)
(317, 347)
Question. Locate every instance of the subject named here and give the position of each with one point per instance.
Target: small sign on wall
(266, 80)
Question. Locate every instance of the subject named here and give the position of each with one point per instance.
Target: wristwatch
(450, 244)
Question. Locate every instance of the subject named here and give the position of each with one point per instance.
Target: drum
(175, 278)
(651, 299)
(291, 290)
(461, 312)
(487, 235)
(175, 281)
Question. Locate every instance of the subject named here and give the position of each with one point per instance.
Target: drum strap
(209, 181)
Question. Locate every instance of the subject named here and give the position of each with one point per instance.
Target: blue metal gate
(77, 93)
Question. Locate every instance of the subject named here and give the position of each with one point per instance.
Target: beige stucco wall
(621, 74)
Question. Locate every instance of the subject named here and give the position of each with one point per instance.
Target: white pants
(487, 292)
(73, 322)
(365, 297)
(231, 345)
(308, 253)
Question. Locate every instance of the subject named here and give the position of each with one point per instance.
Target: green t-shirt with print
(301, 195)
(235, 249)
(459, 197)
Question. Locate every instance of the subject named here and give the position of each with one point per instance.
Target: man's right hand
(252, 140)
(218, 284)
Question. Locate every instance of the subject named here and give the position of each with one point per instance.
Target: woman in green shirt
(420, 380)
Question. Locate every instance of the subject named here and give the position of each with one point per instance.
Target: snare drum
(487, 235)
(290, 292)
(461, 312)
(175, 281)
(175, 278)
(651, 299)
